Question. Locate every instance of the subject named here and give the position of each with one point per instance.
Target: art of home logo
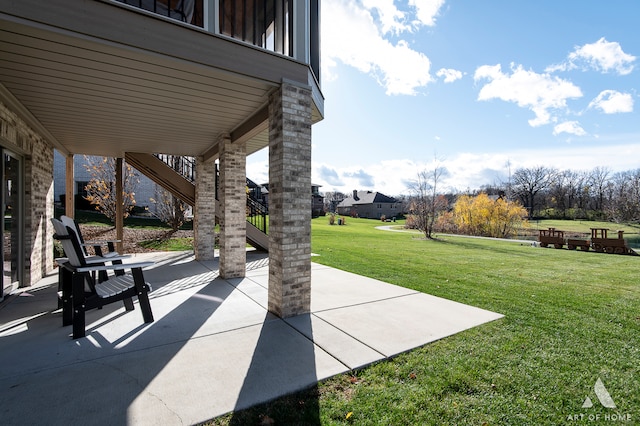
(604, 398)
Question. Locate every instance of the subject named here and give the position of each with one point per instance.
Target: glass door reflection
(11, 222)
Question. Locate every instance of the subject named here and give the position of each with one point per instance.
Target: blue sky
(478, 87)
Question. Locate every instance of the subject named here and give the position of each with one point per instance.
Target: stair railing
(185, 166)
(257, 213)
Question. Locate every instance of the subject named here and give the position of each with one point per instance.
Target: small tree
(169, 209)
(101, 189)
(425, 203)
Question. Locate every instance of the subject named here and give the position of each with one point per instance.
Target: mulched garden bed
(132, 236)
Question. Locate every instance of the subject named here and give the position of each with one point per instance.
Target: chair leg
(143, 295)
(128, 304)
(78, 306)
(66, 302)
(60, 281)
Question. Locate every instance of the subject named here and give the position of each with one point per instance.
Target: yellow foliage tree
(480, 215)
(101, 188)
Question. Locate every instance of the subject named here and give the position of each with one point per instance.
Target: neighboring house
(369, 204)
(217, 80)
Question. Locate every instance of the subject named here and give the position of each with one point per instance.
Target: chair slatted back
(70, 223)
(70, 244)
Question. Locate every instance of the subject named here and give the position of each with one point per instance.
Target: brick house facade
(216, 82)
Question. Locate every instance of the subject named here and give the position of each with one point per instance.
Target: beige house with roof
(369, 204)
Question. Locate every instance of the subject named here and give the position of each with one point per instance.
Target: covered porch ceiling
(158, 87)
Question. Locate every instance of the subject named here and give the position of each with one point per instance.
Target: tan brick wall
(233, 203)
(37, 155)
(205, 210)
(290, 200)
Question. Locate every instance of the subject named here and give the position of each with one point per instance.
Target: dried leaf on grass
(266, 420)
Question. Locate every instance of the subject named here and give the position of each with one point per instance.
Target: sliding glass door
(12, 221)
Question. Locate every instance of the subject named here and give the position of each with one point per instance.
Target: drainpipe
(119, 206)
(69, 200)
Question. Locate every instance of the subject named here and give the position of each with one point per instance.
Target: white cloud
(603, 56)
(449, 75)
(612, 102)
(473, 170)
(427, 10)
(351, 35)
(391, 19)
(541, 93)
(393, 177)
(571, 127)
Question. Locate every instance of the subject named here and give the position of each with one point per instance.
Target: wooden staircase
(162, 174)
(178, 178)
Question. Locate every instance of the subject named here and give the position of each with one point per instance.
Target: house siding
(368, 204)
(370, 211)
(145, 189)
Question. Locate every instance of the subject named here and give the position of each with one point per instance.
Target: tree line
(597, 194)
(534, 193)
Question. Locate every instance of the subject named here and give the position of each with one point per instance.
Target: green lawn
(570, 318)
(171, 244)
(96, 218)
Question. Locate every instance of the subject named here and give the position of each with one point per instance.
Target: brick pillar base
(204, 215)
(233, 203)
(290, 201)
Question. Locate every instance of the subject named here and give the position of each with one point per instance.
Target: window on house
(80, 188)
(267, 24)
(379, 206)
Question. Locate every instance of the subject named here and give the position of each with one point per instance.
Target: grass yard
(570, 318)
(171, 244)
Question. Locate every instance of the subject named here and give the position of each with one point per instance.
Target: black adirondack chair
(82, 292)
(110, 254)
(97, 245)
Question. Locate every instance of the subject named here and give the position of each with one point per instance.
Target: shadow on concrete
(284, 362)
(98, 379)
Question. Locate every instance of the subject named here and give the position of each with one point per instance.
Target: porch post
(290, 200)
(69, 200)
(233, 204)
(119, 205)
(204, 215)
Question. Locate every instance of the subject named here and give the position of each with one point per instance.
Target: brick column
(204, 214)
(290, 200)
(233, 202)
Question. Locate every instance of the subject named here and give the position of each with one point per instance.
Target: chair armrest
(101, 242)
(101, 259)
(118, 267)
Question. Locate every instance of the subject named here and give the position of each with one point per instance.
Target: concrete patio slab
(345, 348)
(212, 349)
(393, 326)
(334, 288)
